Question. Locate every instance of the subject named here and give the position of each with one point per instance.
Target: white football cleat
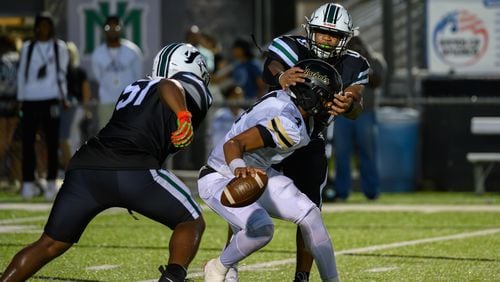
(215, 271)
(29, 190)
(50, 190)
(41, 183)
(232, 274)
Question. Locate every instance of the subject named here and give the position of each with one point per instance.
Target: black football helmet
(322, 81)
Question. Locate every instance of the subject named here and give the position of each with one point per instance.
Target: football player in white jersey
(265, 134)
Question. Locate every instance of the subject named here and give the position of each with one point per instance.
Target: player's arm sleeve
(285, 50)
(284, 132)
(266, 136)
(281, 55)
(361, 77)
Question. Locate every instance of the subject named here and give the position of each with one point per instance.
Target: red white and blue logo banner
(463, 37)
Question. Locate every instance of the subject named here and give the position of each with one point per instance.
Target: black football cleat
(168, 276)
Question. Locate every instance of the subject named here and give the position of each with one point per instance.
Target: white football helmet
(330, 18)
(180, 57)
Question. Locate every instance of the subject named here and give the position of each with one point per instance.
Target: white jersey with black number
(276, 113)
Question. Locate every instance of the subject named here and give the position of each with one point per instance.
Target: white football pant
(281, 200)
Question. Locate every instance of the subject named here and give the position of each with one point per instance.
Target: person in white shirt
(269, 131)
(115, 64)
(41, 84)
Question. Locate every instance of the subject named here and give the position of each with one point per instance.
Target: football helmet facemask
(180, 57)
(331, 19)
(322, 82)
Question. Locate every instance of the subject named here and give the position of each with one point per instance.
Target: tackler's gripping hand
(183, 136)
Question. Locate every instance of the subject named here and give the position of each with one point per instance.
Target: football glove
(183, 136)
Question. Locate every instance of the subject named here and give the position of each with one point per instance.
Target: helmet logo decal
(332, 14)
(323, 78)
(190, 56)
(203, 70)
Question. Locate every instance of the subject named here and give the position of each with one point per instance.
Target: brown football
(241, 192)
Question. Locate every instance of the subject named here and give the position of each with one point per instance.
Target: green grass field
(401, 237)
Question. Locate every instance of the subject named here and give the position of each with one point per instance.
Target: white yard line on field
(102, 267)
(260, 266)
(26, 206)
(22, 219)
(17, 228)
(382, 269)
(422, 241)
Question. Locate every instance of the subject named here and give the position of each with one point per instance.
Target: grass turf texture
(134, 249)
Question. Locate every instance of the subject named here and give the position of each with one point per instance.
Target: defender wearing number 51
(121, 166)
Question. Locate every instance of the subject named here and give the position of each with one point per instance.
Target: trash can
(397, 142)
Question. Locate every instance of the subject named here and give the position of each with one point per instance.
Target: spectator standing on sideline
(195, 38)
(359, 135)
(115, 64)
(225, 116)
(212, 44)
(247, 71)
(41, 84)
(121, 166)
(78, 94)
(9, 63)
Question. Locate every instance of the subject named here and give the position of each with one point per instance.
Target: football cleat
(166, 276)
(232, 274)
(50, 191)
(29, 190)
(215, 271)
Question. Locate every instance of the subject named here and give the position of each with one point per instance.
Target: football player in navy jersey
(328, 31)
(121, 166)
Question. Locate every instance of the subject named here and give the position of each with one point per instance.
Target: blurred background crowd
(418, 106)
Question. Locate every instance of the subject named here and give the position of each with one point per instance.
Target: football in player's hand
(241, 192)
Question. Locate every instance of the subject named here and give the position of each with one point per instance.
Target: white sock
(318, 241)
(244, 243)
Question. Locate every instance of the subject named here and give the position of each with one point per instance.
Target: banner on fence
(463, 37)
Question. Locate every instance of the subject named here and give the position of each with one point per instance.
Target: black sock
(173, 271)
(301, 276)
